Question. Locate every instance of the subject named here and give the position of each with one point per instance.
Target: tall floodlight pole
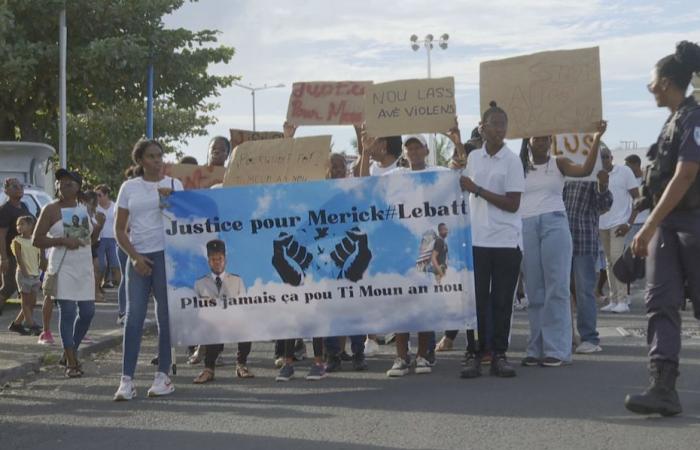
(63, 123)
(427, 42)
(253, 90)
(149, 102)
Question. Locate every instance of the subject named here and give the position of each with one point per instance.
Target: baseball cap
(418, 137)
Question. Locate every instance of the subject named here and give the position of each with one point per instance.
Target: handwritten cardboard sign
(279, 161)
(410, 106)
(195, 177)
(696, 85)
(576, 147)
(327, 102)
(240, 136)
(545, 93)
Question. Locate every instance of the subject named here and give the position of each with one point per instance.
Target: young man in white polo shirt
(495, 180)
(616, 223)
(416, 150)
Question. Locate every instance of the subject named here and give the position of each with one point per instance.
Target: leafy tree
(110, 43)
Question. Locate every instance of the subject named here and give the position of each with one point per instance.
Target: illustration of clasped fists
(351, 255)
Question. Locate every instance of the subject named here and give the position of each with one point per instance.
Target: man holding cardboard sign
(545, 93)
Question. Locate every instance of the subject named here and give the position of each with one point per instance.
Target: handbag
(50, 284)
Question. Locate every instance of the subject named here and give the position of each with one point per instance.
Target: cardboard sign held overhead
(195, 177)
(240, 136)
(410, 106)
(576, 147)
(279, 161)
(327, 103)
(545, 93)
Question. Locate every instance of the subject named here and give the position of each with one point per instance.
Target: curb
(106, 341)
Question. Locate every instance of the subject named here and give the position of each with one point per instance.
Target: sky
(282, 42)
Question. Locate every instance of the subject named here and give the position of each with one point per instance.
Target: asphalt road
(579, 406)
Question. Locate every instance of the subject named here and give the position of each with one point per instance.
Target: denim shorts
(28, 284)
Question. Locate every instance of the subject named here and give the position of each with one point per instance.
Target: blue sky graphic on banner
(338, 240)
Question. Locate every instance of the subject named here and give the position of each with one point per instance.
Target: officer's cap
(216, 246)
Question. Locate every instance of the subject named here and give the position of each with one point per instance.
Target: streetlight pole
(62, 123)
(427, 42)
(253, 90)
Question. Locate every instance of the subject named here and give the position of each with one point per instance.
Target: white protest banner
(327, 103)
(576, 147)
(193, 176)
(323, 258)
(545, 93)
(410, 106)
(279, 161)
(240, 136)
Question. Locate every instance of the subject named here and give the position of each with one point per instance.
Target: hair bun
(688, 54)
(493, 104)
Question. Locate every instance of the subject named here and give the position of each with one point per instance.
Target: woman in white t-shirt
(139, 210)
(548, 248)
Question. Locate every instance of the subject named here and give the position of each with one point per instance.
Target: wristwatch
(478, 192)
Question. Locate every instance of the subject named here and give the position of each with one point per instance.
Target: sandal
(205, 376)
(242, 371)
(73, 372)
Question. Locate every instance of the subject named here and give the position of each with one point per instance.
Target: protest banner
(545, 93)
(323, 258)
(195, 177)
(279, 161)
(327, 103)
(576, 147)
(240, 136)
(410, 106)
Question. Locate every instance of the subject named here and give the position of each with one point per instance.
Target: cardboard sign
(696, 85)
(279, 161)
(240, 136)
(576, 147)
(327, 103)
(545, 93)
(195, 177)
(410, 106)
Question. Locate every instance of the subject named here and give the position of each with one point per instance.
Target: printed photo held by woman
(548, 248)
(139, 232)
(670, 237)
(70, 263)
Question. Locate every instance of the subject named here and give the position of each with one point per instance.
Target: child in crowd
(30, 260)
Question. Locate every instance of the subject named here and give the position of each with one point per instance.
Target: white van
(30, 163)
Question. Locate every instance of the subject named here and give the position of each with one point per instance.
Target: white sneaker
(399, 369)
(588, 347)
(161, 385)
(371, 347)
(422, 365)
(609, 307)
(126, 390)
(621, 308)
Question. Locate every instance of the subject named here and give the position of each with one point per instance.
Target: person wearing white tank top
(547, 248)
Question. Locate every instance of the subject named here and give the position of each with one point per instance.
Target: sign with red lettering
(241, 136)
(327, 103)
(195, 177)
(576, 147)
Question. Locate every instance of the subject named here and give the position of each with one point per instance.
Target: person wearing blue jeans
(139, 232)
(74, 319)
(333, 351)
(548, 248)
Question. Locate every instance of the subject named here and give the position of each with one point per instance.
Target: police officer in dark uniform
(670, 237)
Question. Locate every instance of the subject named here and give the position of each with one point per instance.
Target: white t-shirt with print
(375, 169)
(141, 198)
(108, 227)
(500, 173)
(621, 180)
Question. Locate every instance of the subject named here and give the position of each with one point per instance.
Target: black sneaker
(358, 362)
(344, 356)
(550, 361)
(530, 361)
(500, 366)
(18, 328)
(154, 361)
(432, 360)
(333, 364)
(472, 366)
(35, 330)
